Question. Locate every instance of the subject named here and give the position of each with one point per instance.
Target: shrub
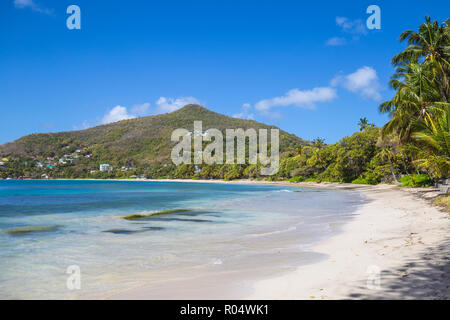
(296, 179)
(443, 201)
(416, 180)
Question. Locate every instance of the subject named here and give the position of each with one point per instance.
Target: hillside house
(105, 167)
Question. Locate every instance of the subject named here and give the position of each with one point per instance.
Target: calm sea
(47, 226)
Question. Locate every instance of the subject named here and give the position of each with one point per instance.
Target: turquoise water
(47, 226)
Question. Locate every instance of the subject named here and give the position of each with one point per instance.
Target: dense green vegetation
(135, 147)
(412, 148)
(420, 108)
(415, 180)
(415, 143)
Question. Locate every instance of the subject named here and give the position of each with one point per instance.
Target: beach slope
(397, 247)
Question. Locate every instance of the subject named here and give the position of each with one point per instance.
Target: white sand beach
(397, 232)
(401, 235)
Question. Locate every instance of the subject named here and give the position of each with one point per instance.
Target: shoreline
(397, 237)
(397, 233)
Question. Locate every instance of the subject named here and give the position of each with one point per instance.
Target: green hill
(135, 142)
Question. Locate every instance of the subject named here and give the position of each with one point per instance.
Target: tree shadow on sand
(425, 277)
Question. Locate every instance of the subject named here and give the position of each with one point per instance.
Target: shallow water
(47, 226)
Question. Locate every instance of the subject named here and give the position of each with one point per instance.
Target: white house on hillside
(105, 167)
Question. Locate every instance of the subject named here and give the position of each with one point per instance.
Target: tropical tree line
(420, 109)
(413, 147)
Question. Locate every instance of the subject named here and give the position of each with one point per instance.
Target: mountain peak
(190, 108)
(143, 141)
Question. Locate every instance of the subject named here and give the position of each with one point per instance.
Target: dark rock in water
(126, 231)
(119, 231)
(153, 214)
(199, 212)
(30, 229)
(181, 219)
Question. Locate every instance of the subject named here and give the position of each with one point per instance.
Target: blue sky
(312, 69)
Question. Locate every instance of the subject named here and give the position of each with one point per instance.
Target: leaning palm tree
(416, 91)
(420, 108)
(363, 123)
(432, 45)
(389, 149)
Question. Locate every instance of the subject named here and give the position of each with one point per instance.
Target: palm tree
(434, 143)
(416, 92)
(389, 146)
(319, 143)
(387, 154)
(300, 150)
(431, 43)
(420, 108)
(363, 123)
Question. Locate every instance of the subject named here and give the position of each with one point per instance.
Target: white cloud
(336, 41)
(86, 124)
(245, 112)
(140, 109)
(304, 99)
(21, 4)
(170, 104)
(352, 27)
(363, 81)
(117, 113)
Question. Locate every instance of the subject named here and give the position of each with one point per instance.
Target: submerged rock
(157, 213)
(30, 229)
(126, 231)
